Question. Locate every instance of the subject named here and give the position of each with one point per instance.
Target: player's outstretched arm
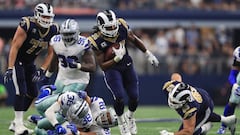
(139, 44)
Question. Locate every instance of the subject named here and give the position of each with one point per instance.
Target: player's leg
(130, 81)
(20, 86)
(45, 124)
(43, 104)
(114, 83)
(75, 87)
(229, 109)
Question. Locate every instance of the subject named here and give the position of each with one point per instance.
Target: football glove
(60, 130)
(120, 52)
(38, 75)
(45, 80)
(73, 64)
(165, 132)
(151, 58)
(82, 94)
(73, 129)
(8, 75)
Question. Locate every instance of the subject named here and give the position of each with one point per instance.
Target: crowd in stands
(190, 50)
(226, 5)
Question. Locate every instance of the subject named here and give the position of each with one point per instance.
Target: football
(109, 53)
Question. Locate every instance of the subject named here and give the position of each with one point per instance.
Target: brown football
(109, 53)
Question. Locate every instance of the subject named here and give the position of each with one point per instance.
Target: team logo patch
(23, 22)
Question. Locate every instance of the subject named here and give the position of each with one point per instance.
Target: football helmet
(107, 23)
(78, 113)
(69, 30)
(43, 12)
(179, 96)
(68, 98)
(107, 118)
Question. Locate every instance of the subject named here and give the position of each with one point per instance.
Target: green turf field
(147, 120)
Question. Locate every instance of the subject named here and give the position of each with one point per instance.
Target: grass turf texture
(150, 120)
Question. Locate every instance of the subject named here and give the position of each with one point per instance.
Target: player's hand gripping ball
(109, 54)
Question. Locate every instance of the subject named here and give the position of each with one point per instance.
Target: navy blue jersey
(201, 103)
(36, 40)
(102, 43)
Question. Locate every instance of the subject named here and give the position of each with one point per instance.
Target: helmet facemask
(69, 31)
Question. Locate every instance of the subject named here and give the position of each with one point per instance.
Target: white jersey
(69, 73)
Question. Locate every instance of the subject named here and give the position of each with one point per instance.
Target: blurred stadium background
(193, 37)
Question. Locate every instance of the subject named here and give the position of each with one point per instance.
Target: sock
(121, 119)
(130, 114)
(18, 117)
(228, 110)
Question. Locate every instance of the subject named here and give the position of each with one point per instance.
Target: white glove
(120, 52)
(165, 132)
(151, 58)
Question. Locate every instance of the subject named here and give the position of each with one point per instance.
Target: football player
(31, 37)
(86, 114)
(119, 72)
(195, 107)
(74, 57)
(234, 80)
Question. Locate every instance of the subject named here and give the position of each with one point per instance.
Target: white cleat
(20, 129)
(12, 126)
(131, 122)
(124, 130)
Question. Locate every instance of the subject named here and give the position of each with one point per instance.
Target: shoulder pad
(123, 22)
(25, 23)
(92, 39)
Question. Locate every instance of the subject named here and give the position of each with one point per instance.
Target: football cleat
(221, 130)
(34, 118)
(20, 129)
(124, 130)
(131, 122)
(12, 126)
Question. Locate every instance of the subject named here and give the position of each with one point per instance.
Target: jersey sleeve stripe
(93, 42)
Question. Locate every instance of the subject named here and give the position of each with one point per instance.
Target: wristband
(116, 59)
(48, 74)
(79, 66)
(148, 53)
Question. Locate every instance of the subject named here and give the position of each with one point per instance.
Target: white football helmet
(107, 118)
(179, 96)
(68, 98)
(69, 30)
(236, 54)
(44, 14)
(107, 23)
(80, 114)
